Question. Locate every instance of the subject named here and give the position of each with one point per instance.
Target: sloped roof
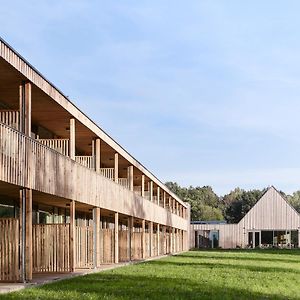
(272, 211)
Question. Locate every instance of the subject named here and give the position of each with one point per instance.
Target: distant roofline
(209, 222)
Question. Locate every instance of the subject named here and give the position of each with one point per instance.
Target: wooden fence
(10, 118)
(9, 250)
(107, 240)
(50, 248)
(84, 243)
(123, 246)
(136, 246)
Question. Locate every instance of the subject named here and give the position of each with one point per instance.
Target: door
(254, 239)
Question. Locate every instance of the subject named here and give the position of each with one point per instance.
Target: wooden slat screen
(84, 246)
(9, 250)
(50, 247)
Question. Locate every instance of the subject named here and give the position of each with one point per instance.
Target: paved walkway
(42, 278)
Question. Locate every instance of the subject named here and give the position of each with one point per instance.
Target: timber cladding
(27, 163)
(9, 249)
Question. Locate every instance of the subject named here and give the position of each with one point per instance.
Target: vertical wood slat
(87, 161)
(59, 145)
(9, 250)
(51, 248)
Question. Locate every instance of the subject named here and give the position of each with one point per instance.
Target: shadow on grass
(228, 266)
(116, 286)
(241, 258)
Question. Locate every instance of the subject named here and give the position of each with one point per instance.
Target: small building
(271, 222)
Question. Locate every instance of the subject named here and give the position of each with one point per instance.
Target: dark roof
(208, 222)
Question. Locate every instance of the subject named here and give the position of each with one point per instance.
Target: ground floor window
(207, 239)
(273, 238)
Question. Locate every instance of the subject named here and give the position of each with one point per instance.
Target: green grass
(236, 274)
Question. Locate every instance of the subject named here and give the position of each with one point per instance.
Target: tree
(238, 202)
(294, 200)
(205, 204)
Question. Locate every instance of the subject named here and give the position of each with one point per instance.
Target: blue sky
(201, 92)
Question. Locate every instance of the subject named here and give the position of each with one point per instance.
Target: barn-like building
(272, 222)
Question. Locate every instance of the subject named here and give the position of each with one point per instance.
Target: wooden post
(98, 155)
(143, 185)
(164, 199)
(151, 190)
(26, 233)
(116, 237)
(158, 195)
(130, 231)
(72, 138)
(173, 239)
(151, 238)
(164, 239)
(72, 236)
(143, 239)
(158, 240)
(96, 254)
(130, 177)
(25, 108)
(116, 167)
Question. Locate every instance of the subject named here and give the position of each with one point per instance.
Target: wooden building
(70, 196)
(272, 222)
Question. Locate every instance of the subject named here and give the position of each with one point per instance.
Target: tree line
(206, 205)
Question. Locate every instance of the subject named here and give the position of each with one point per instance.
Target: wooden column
(143, 239)
(177, 208)
(143, 185)
(98, 155)
(158, 195)
(25, 107)
(164, 199)
(96, 254)
(151, 190)
(130, 177)
(116, 237)
(164, 239)
(130, 231)
(116, 167)
(72, 236)
(72, 138)
(151, 238)
(26, 233)
(158, 240)
(171, 240)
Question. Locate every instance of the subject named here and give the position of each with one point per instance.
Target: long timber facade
(70, 196)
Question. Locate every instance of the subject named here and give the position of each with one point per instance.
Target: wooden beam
(96, 249)
(143, 185)
(143, 239)
(116, 167)
(116, 237)
(72, 139)
(98, 155)
(72, 236)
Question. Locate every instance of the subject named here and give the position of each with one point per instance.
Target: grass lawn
(235, 274)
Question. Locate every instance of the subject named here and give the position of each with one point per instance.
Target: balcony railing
(10, 118)
(87, 161)
(123, 182)
(108, 173)
(59, 145)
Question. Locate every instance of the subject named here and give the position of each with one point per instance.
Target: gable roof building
(271, 222)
